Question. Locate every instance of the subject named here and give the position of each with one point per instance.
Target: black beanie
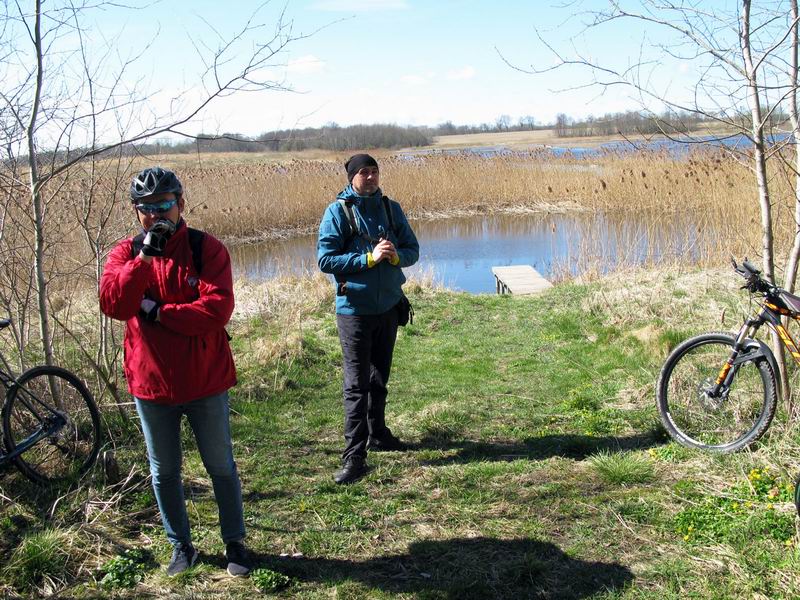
(358, 162)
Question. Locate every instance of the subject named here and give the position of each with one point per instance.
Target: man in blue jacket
(364, 242)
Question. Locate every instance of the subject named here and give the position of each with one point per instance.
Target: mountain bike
(718, 391)
(51, 426)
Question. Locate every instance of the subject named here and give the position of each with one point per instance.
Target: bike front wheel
(726, 423)
(66, 453)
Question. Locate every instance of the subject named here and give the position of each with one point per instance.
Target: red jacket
(185, 355)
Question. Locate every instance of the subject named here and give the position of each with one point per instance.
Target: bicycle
(51, 425)
(718, 391)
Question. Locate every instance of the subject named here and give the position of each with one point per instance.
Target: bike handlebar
(753, 280)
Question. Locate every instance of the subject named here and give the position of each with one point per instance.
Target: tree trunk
(760, 167)
(790, 277)
(36, 196)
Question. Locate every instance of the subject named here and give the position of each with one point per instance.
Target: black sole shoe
(353, 470)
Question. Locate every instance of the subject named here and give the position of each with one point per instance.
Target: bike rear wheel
(67, 453)
(724, 424)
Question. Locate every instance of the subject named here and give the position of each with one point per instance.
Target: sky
(408, 62)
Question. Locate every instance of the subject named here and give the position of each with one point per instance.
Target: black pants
(367, 347)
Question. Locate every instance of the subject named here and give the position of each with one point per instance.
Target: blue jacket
(361, 290)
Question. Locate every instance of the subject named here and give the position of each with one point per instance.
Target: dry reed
(249, 197)
(249, 201)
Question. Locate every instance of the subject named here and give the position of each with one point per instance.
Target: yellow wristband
(370, 260)
(395, 260)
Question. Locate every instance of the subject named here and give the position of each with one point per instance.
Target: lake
(459, 252)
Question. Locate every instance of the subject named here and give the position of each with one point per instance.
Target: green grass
(41, 560)
(537, 469)
(623, 468)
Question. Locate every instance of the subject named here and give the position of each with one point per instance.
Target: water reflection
(461, 251)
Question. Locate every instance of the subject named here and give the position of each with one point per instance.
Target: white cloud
(462, 73)
(305, 64)
(413, 79)
(359, 5)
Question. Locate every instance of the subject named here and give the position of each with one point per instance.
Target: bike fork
(726, 374)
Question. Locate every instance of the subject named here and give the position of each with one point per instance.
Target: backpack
(195, 243)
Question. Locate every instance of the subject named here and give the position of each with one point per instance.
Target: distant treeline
(630, 122)
(330, 137)
(383, 135)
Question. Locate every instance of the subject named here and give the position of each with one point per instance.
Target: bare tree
(742, 58)
(63, 93)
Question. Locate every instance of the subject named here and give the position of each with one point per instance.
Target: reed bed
(247, 201)
(245, 197)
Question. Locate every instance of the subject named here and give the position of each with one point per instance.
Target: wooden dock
(520, 280)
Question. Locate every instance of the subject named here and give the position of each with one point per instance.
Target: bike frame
(48, 424)
(770, 314)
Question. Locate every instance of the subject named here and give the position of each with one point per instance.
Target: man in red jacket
(174, 289)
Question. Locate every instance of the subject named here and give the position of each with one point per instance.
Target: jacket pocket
(356, 292)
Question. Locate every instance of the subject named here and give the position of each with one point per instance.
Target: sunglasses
(156, 207)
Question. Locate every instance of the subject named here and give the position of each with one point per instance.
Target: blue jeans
(209, 419)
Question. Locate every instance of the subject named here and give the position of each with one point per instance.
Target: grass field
(522, 140)
(537, 469)
(546, 137)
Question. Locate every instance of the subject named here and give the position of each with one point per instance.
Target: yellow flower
(686, 538)
(770, 506)
(735, 505)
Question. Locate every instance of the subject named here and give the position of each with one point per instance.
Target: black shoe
(353, 469)
(183, 557)
(386, 443)
(239, 564)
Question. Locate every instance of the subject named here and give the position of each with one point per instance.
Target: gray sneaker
(239, 564)
(183, 557)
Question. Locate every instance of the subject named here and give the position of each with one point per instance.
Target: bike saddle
(791, 301)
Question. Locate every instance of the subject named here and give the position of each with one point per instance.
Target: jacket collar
(350, 195)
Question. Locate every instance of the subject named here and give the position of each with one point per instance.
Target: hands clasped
(384, 250)
(157, 237)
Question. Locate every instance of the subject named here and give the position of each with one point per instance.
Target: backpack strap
(351, 218)
(389, 215)
(195, 243)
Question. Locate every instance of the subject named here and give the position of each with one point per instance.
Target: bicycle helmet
(155, 180)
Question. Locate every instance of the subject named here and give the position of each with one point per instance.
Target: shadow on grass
(567, 445)
(466, 568)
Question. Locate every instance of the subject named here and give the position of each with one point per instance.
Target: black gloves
(148, 310)
(156, 239)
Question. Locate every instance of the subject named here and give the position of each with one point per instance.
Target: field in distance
(540, 137)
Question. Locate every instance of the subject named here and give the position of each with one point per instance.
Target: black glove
(148, 309)
(157, 236)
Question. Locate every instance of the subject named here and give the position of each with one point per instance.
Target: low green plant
(125, 570)
(623, 467)
(268, 581)
(746, 512)
(765, 485)
(671, 452)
